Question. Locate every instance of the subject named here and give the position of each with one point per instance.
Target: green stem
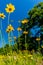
(12, 36)
(2, 36)
(8, 38)
(19, 38)
(25, 42)
(8, 24)
(8, 18)
(25, 39)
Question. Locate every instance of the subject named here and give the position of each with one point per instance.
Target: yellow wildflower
(2, 15)
(10, 28)
(19, 29)
(10, 8)
(25, 21)
(25, 32)
(37, 39)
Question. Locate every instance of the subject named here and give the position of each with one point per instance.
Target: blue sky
(21, 12)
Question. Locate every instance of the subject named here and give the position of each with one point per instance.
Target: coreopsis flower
(2, 15)
(37, 39)
(25, 32)
(19, 29)
(10, 28)
(25, 21)
(10, 8)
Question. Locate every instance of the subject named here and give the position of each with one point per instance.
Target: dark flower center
(10, 9)
(1, 15)
(9, 29)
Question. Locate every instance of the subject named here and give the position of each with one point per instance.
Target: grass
(21, 58)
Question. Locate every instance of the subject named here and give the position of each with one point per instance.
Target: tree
(35, 19)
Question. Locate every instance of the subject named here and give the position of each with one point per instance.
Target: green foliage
(22, 59)
(35, 19)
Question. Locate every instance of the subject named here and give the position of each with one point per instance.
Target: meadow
(22, 58)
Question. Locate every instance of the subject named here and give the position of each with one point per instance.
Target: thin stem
(8, 24)
(25, 39)
(25, 42)
(12, 37)
(1, 31)
(9, 43)
(19, 38)
(1, 34)
(8, 38)
(39, 43)
(8, 18)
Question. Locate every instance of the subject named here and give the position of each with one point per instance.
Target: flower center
(10, 9)
(1, 15)
(9, 29)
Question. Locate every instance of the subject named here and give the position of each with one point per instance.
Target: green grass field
(21, 58)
